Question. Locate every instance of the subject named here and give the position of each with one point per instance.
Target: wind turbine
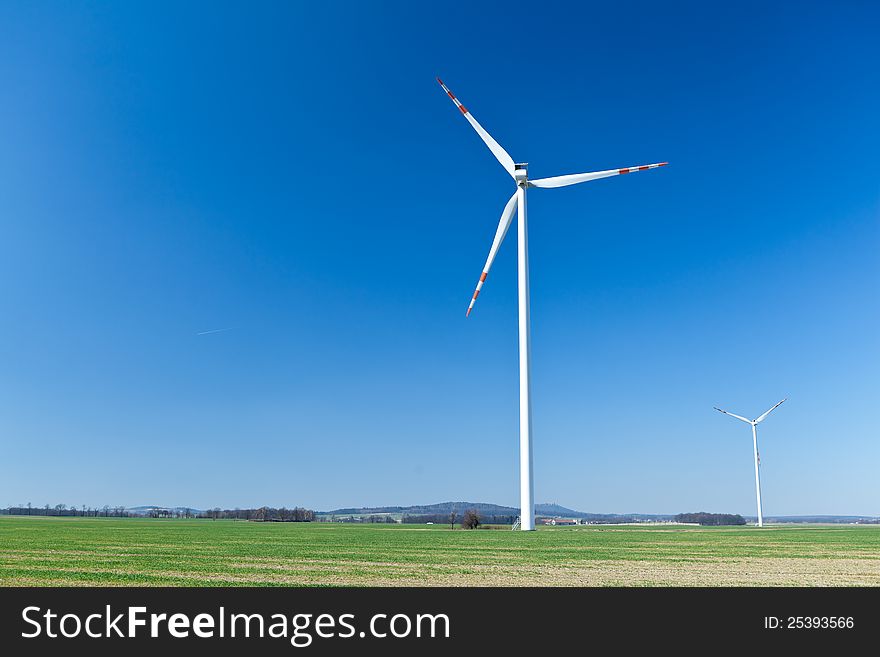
(518, 171)
(754, 424)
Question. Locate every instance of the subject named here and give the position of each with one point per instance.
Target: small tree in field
(452, 517)
(470, 520)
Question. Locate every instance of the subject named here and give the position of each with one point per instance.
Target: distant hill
(427, 509)
(551, 510)
(822, 519)
(486, 509)
(557, 511)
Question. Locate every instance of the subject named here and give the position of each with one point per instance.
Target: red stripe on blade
(483, 277)
(623, 171)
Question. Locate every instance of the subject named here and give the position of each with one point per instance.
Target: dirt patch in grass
(741, 572)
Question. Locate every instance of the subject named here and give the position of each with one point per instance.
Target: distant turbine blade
(738, 417)
(575, 178)
(494, 146)
(503, 225)
(768, 412)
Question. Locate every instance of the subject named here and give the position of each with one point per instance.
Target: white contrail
(220, 330)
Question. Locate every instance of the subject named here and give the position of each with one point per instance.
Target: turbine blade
(575, 178)
(500, 154)
(738, 417)
(503, 225)
(768, 412)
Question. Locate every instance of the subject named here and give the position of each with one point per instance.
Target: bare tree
(470, 520)
(452, 516)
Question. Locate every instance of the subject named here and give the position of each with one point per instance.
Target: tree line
(711, 519)
(261, 514)
(105, 511)
(373, 518)
(444, 518)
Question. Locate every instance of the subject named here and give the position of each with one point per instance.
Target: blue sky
(294, 172)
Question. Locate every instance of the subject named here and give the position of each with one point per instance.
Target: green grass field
(130, 552)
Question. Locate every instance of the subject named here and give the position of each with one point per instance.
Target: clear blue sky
(294, 172)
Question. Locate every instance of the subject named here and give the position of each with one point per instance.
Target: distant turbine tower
(754, 424)
(518, 172)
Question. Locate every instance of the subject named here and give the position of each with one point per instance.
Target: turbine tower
(754, 424)
(519, 173)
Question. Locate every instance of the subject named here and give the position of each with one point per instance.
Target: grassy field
(128, 552)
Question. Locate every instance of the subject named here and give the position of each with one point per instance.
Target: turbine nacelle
(520, 173)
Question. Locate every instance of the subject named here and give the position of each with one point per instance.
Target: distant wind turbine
(517, 202)
(754, 424)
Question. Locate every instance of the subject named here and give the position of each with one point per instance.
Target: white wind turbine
(518, 202)
(754, 424)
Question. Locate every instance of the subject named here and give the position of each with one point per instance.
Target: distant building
(557, 521)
